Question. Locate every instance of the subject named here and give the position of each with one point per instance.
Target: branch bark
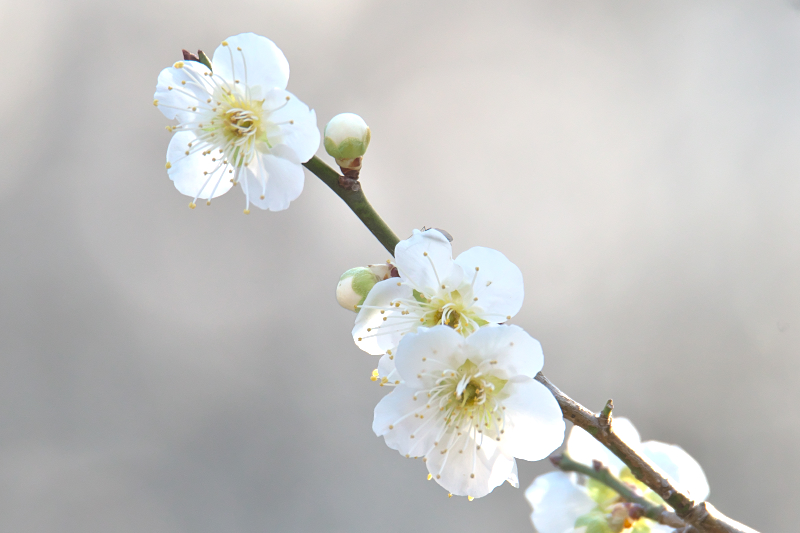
(703, 516)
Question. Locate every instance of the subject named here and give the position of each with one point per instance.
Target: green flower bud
(355, 284)
(346, 138)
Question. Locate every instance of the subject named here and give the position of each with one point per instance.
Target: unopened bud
(346, 139)
(355, 284)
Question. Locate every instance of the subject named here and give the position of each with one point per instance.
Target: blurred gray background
(165, 370)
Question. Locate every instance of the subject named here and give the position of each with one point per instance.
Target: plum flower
(480, 287)
(469, 406)
(237, 124)
(564, 502)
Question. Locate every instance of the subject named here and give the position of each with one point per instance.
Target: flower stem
(356, 201)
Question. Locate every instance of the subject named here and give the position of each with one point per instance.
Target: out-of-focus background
(168, 370)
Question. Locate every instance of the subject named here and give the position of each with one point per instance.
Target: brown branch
(703, 516)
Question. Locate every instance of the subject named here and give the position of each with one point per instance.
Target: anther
(472, 476)
(224, 43)
(450, 495)
(262, 196)
(179, 64)
(430, 476)
(168, 165)
(246, 211)
(192, 205)
(470, 498)
(155, 102)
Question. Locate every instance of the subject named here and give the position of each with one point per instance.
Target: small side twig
(601, 473)
(703, 516)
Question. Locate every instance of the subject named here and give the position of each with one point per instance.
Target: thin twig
(601, 473)
(356, 201)
(703, 516)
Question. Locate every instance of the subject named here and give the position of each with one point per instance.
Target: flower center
(449, 309)
(468, 397)
(238, 123)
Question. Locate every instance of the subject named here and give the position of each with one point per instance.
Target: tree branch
(703, 516)
(356, 201)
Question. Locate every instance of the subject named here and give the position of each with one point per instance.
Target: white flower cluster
(565, 502)
(465, 400)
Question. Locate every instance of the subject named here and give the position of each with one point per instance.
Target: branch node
(605, 415)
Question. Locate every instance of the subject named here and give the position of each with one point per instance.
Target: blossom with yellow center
(469, 406)
(479, 287)
(237, 124)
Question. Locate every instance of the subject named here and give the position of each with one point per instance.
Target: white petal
(387, 369)
(279, 180)
(395, 411)
(513, 477)
(534, 425)
(516, 352)
(384, 334)
(557, 501)
(503, 296)
(299, 130)
(187, 171)
(422, 356)
(193, 93)
(426, 272)
(266, 64)
(583, 448)
(453, 470)
(680, 466)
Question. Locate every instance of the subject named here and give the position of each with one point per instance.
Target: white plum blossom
(479, 287)
(469, 406)
(237, 124)
(564, 502)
